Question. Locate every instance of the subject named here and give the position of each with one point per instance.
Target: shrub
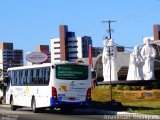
(127, 88)
(119, 87)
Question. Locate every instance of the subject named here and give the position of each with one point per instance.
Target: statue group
(141, 64)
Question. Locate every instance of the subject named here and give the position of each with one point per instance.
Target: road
(78, 114)
(26, 114)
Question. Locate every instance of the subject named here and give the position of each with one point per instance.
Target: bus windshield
(71, 72)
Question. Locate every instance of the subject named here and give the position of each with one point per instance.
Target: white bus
(63, 85)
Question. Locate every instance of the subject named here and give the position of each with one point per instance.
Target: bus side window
(47, 75)
(37, 75)
(31, 77)
(15, 78)
(24, 77)
(28, 76)
(12, 77)
(41, 76)
(20, 77)
(34, 76)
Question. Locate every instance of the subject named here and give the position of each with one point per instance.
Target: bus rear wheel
(33, 105)
(13, 107)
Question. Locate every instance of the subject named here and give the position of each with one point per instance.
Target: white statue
(135, 65)
(108, 59)
(104, 56)
(148, 53)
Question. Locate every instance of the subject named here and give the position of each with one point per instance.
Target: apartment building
(9, 57)
(68, 47)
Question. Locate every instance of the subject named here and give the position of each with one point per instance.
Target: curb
(106, 112)
(4, 105)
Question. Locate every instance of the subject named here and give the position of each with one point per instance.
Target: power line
(140, 13)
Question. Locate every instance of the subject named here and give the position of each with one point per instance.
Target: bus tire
(33, 105)
(13, 107)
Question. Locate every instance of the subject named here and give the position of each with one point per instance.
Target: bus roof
(43, 65)
(30, 66)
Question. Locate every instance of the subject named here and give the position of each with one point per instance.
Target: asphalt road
(26, 114)
(78, 114)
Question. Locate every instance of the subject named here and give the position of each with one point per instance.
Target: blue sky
(28, 23)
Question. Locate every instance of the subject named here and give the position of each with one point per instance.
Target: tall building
(83, 46)
(9, 57)
(68, 47)
(97, 51)
(156, 32)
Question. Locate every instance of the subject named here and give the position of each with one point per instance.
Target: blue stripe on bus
(53, 102)
(58, 103)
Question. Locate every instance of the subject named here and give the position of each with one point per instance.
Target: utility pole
(112, 103)
(110, 36)
(109, 27)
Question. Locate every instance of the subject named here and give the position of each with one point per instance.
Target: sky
(28, 23)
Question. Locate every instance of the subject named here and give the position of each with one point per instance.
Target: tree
(1, 72)
(1, 84)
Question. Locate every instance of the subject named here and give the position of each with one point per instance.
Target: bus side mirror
(52, 66)
(6, 79)
(93, 75)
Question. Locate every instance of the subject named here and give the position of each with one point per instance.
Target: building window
(56, 42)
(57, 53)
(73, 41)
(73, 52)
(73, 57)
(56, 58)
(56, 47)
(72, 46)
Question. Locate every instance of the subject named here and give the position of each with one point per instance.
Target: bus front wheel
(13, 107)
(34, 109)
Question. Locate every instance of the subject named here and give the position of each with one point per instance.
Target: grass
(140, 101)
(143, 106)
